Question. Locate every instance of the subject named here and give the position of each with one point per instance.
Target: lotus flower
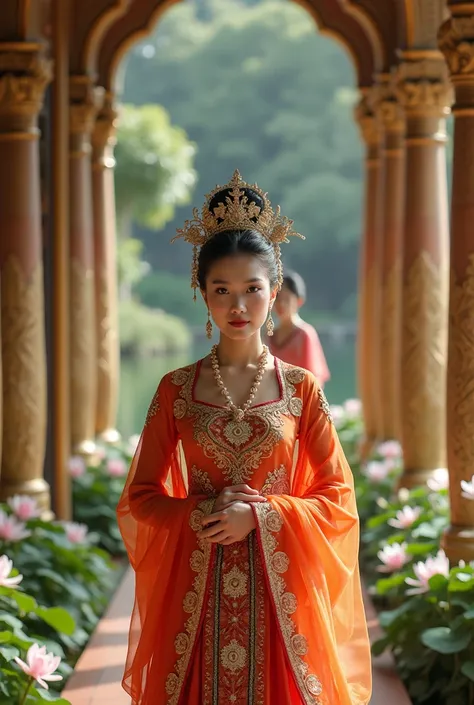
(24, 507)
(40, 665)
(338, 414)
(468, 488)
(377, 471)
(76, 533)
(439, 480)
(6, 566)
(405, 517)
(11, 529)
(390, 449)
(393, 556)
(353, 408)
(77, 466)
(424, 571)
(116, 467)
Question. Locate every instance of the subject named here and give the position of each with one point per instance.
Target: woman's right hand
(236, 493)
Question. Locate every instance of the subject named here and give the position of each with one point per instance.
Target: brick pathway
(96, 680)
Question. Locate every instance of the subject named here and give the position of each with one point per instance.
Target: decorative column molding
(456, 40)
(108, 356)
(391, 120)
(85, 102)
(24, 75)
(424, 90)
(369, 289)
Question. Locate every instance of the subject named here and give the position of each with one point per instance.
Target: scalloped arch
(350, 27)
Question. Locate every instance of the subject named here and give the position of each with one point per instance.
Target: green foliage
(257, 89)
(144, 331)
(172, 293)
(154, 166)
(428, 628)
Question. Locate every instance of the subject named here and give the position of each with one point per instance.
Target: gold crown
(236, 212)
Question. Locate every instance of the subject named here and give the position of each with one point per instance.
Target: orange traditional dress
(303, 348)
(276, 619)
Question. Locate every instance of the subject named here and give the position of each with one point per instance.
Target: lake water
(140, 377)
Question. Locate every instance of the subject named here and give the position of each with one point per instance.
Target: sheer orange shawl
(309, 541)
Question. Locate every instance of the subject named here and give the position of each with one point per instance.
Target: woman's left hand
(229, 526)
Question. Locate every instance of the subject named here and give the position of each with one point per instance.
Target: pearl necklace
(239, 412)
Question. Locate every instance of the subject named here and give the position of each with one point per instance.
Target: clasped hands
(232, 518)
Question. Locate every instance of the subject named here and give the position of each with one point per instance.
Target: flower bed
(426, 606)
(56, 579)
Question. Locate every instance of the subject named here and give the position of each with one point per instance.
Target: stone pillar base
(458, 544)
(415, 478)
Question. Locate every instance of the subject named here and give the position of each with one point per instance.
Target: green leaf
(49, 696)
(379, 646)
(445, 641)
(9, 652)
(25, 603)
(438, 582)
(58, 618)
(467, 669)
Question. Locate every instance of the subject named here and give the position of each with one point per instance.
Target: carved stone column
(392, 198)
(369, 288)
(108, 357)
(457, 43)
(84, 103)
(424, 90)
(24, 75)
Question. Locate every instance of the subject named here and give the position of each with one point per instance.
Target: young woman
(239, 514)
(294, 340)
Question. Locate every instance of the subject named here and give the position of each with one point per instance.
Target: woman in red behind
(294, 340)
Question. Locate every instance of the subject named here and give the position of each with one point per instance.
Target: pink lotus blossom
(353, 408)
(11, 529)
(468, 488)
(24, 507)
(116, 467)
(40, 665)
(390, 449)
(393, 556)
(338, 414)
(439, 480)
(6, 566)
(76, 533)
(424, 571)
(377, 471)
(77, 466)
(405, 517)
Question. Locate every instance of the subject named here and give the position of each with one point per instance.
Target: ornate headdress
(236, 211)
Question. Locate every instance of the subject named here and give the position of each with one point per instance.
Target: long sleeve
(310, 542)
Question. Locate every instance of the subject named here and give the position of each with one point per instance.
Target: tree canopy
(256, 88)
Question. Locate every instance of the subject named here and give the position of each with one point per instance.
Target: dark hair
(294, 282)
(235, 242)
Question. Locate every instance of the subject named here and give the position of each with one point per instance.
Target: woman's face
(287, 304)
(238, 295)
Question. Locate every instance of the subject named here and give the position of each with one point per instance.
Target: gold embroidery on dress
(201, 483)
(277, 482)
(286, 604)
(153, 408)
(192, 606)
(238, 447)
(324, 405)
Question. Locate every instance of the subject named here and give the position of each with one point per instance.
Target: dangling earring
(209, 325)
(270, 324)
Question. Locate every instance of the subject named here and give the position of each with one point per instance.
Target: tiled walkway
(96, 680)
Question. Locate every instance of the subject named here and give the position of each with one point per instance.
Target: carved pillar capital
(422, 85)
(456, 41)
(104, 134)
(85, 101)
(24, 74)
(366, 119)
